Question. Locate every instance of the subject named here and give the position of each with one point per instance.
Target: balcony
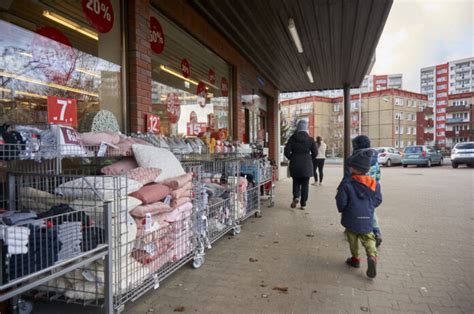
(457, 108)
(462, 69)
(428, 123)
(428, 111)
(428, 136)
(457, 120)
(450, 133)
(460, 133)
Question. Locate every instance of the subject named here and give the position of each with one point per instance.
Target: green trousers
(367, 240)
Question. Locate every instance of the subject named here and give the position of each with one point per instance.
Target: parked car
(388, 156)
(421, 155)
(462, 153)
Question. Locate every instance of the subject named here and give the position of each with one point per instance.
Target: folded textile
(152, 193)
(63, 213)
(180, 201)
(17, 249)
(185, 191)
(153, 209)
(14, 217)
(177, 182)
(39, 200)
(179, 213)
(8, 233)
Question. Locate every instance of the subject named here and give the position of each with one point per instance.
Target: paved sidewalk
(425, 264)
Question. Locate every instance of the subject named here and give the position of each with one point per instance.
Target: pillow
(94, 208)
(120, 167)
(97, 188)
(125, 147)
(185, 191)
(69, 141)
(97, 138)
(180, 201)
(153, 209)
(152, 193)
(155, 157)
(178, 182)
(144, 175)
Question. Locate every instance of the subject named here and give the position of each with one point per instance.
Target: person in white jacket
(318, 162)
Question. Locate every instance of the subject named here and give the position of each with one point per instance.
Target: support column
(347, 121)
(139, 62)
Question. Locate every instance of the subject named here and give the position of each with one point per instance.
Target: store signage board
(157, 36)
(224, 87)
(173, 108)
(194, 128)
(99, 13)
(212, 76)
(153, 123)
(201, 94)
(54, 54)
(62, 111)
(185, 70)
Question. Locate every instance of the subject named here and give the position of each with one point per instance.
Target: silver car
(388, 156)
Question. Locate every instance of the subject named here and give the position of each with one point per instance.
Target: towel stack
(15, 238)
(70, 236)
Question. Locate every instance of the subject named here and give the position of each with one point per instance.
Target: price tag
(157, 37)
(102, 149)
(153, 123)
(62, 111)
(185, 68)
(99, 13)
(194, 128)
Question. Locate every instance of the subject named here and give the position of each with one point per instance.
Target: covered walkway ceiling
(338, 37)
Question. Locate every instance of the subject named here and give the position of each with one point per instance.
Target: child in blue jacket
(358, 143)
(356, 199)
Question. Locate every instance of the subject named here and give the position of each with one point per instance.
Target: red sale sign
(173, 108)
(212, 76)
(185, 68)
(201, 93)
(153, 123)
(157, 37)
(194, 128)
(62, 111)
(99, 13)
(224, 87)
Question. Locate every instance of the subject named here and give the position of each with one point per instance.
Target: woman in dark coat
(300, 151)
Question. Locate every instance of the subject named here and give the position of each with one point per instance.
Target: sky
(421, 33)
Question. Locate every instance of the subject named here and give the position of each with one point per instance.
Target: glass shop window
(52, 50)
(190, 84)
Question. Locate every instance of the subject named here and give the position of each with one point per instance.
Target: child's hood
(364, 185)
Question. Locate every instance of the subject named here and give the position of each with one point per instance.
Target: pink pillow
(120, 167)
(178, 182)
(144, 175)
(180, 201)
(185, 191)
(178, 214)
(154, 209)
(91, 138)
(125, 146)
(151, 193)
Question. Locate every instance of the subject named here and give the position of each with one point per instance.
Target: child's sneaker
(353, 262)
(371, 266)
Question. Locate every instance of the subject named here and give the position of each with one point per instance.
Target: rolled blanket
(178, 182)
(180, 201)
(184, 191)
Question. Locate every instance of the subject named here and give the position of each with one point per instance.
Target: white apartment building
(440, 81)
(369, 84)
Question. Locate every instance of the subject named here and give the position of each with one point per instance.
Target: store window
(190, 85)
(52, 49)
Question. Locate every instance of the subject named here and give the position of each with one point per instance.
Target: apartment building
(369, 84)
(440, 81)
(388, 117)
(460, 119)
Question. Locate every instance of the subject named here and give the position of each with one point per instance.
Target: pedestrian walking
(300, 151)
(318, 162)
(358, 143)
(356, 199)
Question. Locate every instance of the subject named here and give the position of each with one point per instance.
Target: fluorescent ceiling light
(309, 74)
(70, 24)
(173, 72)
(87, 72)
(294, 35)
(6, 90)
(53, 85)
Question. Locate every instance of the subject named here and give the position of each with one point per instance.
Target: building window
(408, 130)
(399, 101)
(414, 131)
(401, 130)
(337, 107)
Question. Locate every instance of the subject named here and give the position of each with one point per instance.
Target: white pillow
(155, 157)
(97, 188)
(69, 141)
(95, 207)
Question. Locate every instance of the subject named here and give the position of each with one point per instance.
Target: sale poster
(194, 128)
(185, 68)
(99, 13)
(201, 94)
(173, 108)
(153, 123)
(157, 37)
(62, 111)
(224, 87)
